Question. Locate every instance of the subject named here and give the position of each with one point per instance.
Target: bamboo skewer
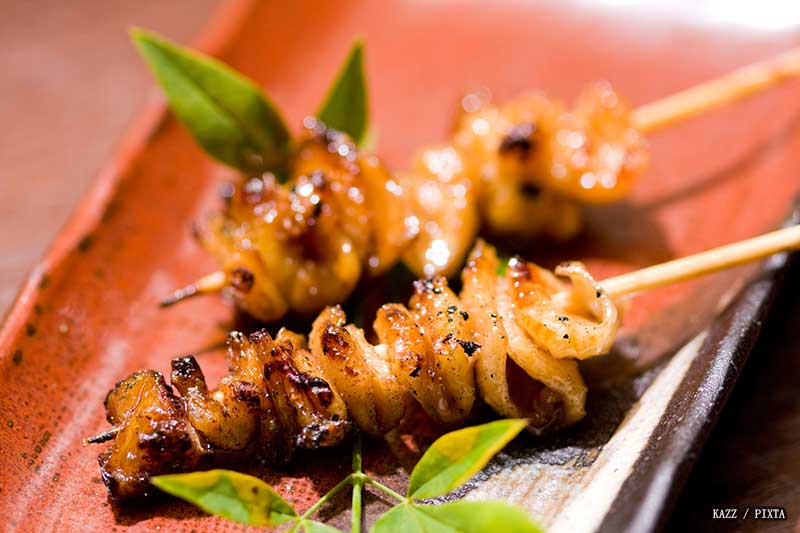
(651, 277)
(213, 282)
(102, 437)
(696, 265)
(717, 92)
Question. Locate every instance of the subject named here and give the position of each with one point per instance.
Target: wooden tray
(87, 316)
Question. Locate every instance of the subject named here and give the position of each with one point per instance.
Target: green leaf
(228, 114)
(457, 456)
(238, 497)
(345, 107)
(406, 518)
(458, 516)
(480, 516)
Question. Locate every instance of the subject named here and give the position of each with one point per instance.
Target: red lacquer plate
(88, 314)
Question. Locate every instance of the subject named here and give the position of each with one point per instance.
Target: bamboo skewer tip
(213, 282)
(105, 436)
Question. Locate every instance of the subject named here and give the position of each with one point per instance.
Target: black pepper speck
(469, 347)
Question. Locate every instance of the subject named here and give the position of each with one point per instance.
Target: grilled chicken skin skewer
(521, 169)
(501, 339)
(304, 245)
(524, 168)
(512, 339)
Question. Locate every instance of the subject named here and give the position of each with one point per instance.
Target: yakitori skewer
(519, 169)
(512, 339)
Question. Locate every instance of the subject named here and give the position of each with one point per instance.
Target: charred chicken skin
(520, 169)
(504, 339)
(304, 244)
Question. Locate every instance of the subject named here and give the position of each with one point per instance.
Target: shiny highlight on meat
(302, 245)
(520, 169)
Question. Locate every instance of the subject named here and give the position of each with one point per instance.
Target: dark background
(70, 83)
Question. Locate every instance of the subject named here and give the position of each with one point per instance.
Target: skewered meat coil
(505, 339)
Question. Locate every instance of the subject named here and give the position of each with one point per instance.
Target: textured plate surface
(88, 316)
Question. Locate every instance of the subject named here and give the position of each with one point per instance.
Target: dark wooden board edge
(647, 496)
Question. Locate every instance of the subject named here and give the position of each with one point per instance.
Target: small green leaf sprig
(449, 462)
(231, 118)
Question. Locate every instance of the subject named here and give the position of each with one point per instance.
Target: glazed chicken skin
(152, 435)
(506, 338)
(305, 244)
(271, 402)
(521, 169)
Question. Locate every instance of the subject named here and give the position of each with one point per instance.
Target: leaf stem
(358, 479)
(383, 488)
(357, 461)
(328, 495)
